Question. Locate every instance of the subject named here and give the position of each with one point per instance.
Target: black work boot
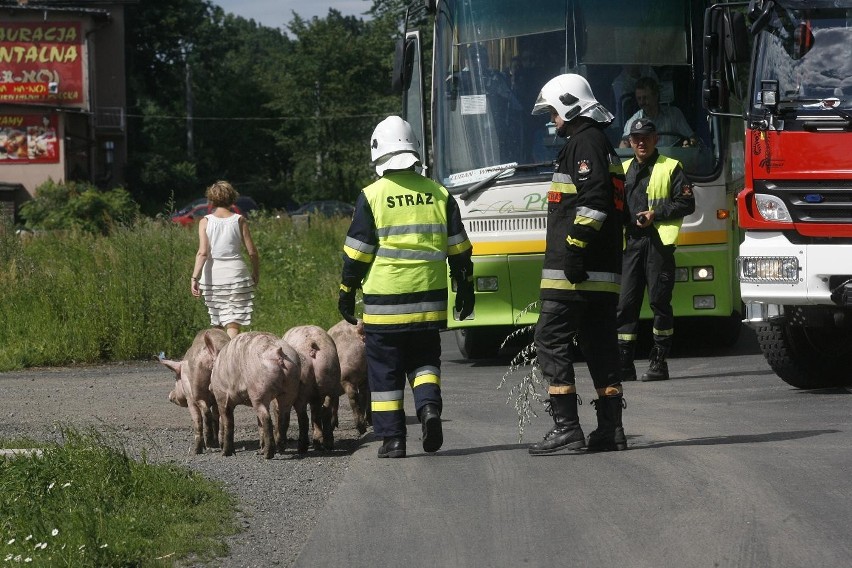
(626, 350)
(392, 448)
(609, 435)
(566, 433)
(430, 423)
(658, 370)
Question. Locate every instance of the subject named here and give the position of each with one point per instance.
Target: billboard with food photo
(42, 62)
(28, 138)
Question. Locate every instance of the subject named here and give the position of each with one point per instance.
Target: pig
(320, 386)
(192, 385)
(350, 341)
(255, 369)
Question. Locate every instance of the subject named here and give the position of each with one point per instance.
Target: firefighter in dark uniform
(658, 198)
(582, 266)
(404, 230)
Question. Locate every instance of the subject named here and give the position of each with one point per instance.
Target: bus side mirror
(736, 37)
(398, 73)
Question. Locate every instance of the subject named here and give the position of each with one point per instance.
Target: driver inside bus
(672, 128)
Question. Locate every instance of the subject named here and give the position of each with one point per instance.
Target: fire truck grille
(815, 201)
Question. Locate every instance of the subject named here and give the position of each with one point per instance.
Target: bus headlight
(768, 269)
(772, 208)
(486, 284)
(702, 273)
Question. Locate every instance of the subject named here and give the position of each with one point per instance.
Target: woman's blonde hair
(222, 194)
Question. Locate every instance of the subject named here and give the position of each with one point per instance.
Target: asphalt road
(726, 466)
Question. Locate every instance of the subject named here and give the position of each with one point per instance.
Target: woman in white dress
(220, 273)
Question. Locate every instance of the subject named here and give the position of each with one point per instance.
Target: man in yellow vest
(658, 198)
(404, 231)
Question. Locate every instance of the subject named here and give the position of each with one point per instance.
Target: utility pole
(318, 129)
(190, 142)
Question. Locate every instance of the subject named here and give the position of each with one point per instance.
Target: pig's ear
(173, 365)
(208, 343)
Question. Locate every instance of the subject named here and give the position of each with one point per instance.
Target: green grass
(86, 503)
(76, 298)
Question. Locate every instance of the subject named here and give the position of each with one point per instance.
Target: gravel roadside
(279, 500)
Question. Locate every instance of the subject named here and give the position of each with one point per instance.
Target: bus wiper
(483, 183)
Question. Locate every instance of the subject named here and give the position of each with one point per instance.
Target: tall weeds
(73, 297)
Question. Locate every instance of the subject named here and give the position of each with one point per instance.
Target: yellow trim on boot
(561, 389)
(610, 391)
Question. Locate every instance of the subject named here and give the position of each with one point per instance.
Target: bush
(78, 206)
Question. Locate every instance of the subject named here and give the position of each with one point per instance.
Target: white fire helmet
(571, 96)
(393, 145)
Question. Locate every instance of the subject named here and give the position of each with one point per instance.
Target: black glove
(574, 271)
(465, 297)
(346, 304)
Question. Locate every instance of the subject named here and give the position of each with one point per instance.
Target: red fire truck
(795, 261)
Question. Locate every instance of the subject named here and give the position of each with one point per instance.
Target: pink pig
(255, 369)
(192, 385)
(320, 386)
(351, 351)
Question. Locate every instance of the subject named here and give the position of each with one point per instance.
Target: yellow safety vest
(659, 192)
(410, 266)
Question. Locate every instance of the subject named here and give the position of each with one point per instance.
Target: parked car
(198, 208)
(328, 208)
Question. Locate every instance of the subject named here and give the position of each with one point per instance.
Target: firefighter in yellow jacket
(404, 231)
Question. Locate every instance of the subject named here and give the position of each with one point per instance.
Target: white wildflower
(104, 545)
(28, 559)
(64, 485)
(54, 532)
(49, 487)
(29, 537)
(8, 557)
(41, 545)
(81, 547)
(11, 541)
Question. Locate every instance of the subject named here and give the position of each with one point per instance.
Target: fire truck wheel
(807, 357)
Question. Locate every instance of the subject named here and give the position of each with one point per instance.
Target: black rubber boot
(392, 448)
(658, 370)
(626, 351)
(609, 435)
(566, 433)
(430, 424)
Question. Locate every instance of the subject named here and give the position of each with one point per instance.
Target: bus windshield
(807, 53)
(492, 57)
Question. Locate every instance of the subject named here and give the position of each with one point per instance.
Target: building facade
(62, 95)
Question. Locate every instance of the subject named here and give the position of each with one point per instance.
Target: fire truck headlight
(681, 274)
(486, 284)
(704, 302)
(702, 273)
(772, 208)
(768, 269)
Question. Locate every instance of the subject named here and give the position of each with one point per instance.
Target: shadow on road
(735, 439)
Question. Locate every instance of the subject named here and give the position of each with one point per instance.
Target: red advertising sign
(41, 62)
(28, 138)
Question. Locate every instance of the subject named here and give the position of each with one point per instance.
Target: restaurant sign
(28, 138)
(42, 63)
